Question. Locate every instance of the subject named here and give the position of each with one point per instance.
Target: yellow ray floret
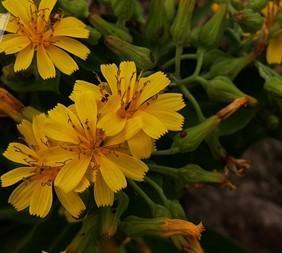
(35, 32)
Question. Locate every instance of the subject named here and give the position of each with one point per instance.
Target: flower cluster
(36, 31)
(99, 139)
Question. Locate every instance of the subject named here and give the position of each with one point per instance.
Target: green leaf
(265, 71)
(237, 121)
(32, 85)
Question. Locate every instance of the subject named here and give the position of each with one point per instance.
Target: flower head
(134, 107)
(36, 31)
(37, 173)
(93, 156)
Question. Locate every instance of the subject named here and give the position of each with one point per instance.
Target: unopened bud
(106, 28)
(257, 5)
(176, 209)
(94, 36)
(189, 139)
(181, 27)
(77, 8)
(249, 20)
(156, 28)
(222, 89)
(229, 66)
(111, 219)
(193, 173)
(164, 227)
(211, 33)
(126, 51)
(170, 9)
(10, 106)
(274, 85)
(123, 9)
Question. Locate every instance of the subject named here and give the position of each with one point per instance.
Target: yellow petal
(72, 173)
(115, 140)
(62, 60)
(133, 126)
(171, 120)
(127, 76)
(20, 153)
(16, 175)
(274, 51)
(20, 197)
(152, 126)
(24, 58)
(112, 105)
(19, 9)
(104, 196)
(110, 72)
(152, 85)
(111, 173)
(41, 199)
(72, 46)
(86, 108)
(25, 128)
(141, 145)
(71, 27)
(45, 66)
(132, 167)
(47, 6)
(8, 23)
(82, 86)
(71, 202)
(168, 102)
(112, 124)
(38, 127)
(83, 185)
(13, 43)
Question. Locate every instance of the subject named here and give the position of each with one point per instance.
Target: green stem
(178, 53)
(158, 189)
(143, 194)
(194, 102)
(183, 57)
(163, 170)
(200, 57)
(170, 151)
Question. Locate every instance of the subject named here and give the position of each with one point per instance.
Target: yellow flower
(135, 108)
(36, 173)
(93, 156)
(36, 31)
(274, 48)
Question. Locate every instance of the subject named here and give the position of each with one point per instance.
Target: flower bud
(164, 227)
(123, 9)
(86, 238)
(10, 106)
(257, 5)
(189, 139)
(156, 28)
(181, 27)
(211, 33)
(170, 9)
(274, 85)
(229, 66)
(249, 20)
(222, 89)
(111, 219)
(126, 51)
(193, 173)
(77, 8)
(176, 210)
(94, 36)
(106, 28)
